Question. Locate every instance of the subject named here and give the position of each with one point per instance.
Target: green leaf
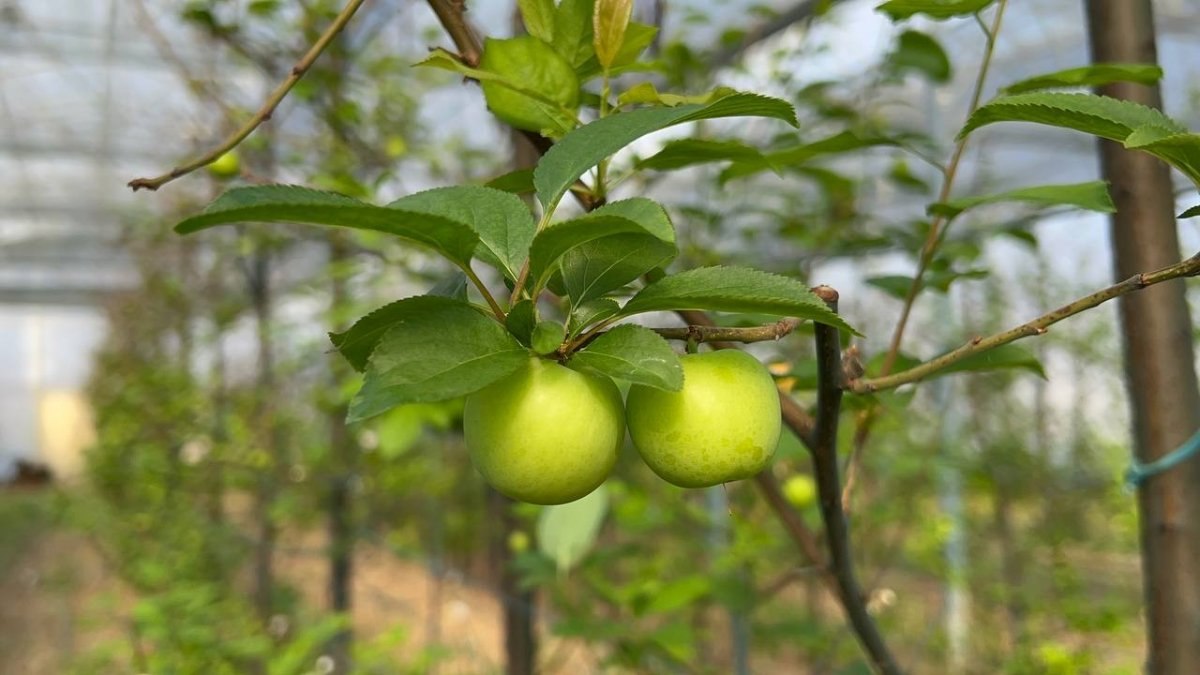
(538, 17)
(554, 242)
(453, 286)
(609, 21)
(608, 263)
(547, 337)
(895, 285)
(734, 289)
(1135, 125)
(520, 321)
(293, 204)
(919, 52)
(1089, 76)
(540, 71)
(566, 532)
(632, 353)
(689, 151)
(797, 156)
(1092, 196)
(590, 312)
(1004, 357)
(1102, 116)
(934, 9)
(502, 220)
(584, 147)
(1191, 213)
(436, 349)
(518, 182)
(573, 27)
(646, 92)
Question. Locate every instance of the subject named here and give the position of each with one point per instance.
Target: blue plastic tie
(1138, 473)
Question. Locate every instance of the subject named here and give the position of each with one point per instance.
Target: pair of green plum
(550, 435)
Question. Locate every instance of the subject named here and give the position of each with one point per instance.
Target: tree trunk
(1159, 359)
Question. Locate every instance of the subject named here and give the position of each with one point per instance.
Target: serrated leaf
(935, 9)
(566, 532)
(453, 286)
(1089, 76)
(1004, 357)
(609, 21)
(520, 321)
(1102, 116)
(632, 353)
(1092, 196)
(503, 222)
(584, 147)
(1191, 213)
(734, 289)
(538, 17)
(554, 242)
(436, 349)
(547, 336)
(691, 151)
(547, 97)
(518, 182)
(797, 156)
(293, 204)
(590, 312)
(646, 92)
(608, 263)
(917, 51)
(573, 30)
(1136, 126)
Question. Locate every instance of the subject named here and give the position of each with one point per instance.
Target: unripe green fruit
(226, 166)
(723, 426)
(545, 434)
(800, 491)
(518, 541)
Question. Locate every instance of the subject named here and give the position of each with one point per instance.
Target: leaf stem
(264, 113)
(491, 301)
(1038, 326)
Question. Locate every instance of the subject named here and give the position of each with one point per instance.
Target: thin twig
(773, 331)
(937, 224)
(452, 15)
(265, 112)
(796, 528)
(825, 470)
(937, 227)
(1038, 326)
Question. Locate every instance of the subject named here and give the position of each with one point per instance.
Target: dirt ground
(60, 601)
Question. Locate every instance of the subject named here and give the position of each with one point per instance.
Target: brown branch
(694, 333)
(796, 528)
(825, 470)
(265, 112)
(452, 15)
(1038, 326)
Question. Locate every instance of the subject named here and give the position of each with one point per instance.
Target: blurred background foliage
(223, 506)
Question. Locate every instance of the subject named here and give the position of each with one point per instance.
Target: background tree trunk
(343, 456)
(1159, 358)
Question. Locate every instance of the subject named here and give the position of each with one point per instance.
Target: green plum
(800, 490)
(722, 426)
(228, 165)
(545, 434)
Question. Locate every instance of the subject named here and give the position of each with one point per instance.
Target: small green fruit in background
(227, 165)
(800, 491)
(545, 434)
(723, 426)
(518, 541)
